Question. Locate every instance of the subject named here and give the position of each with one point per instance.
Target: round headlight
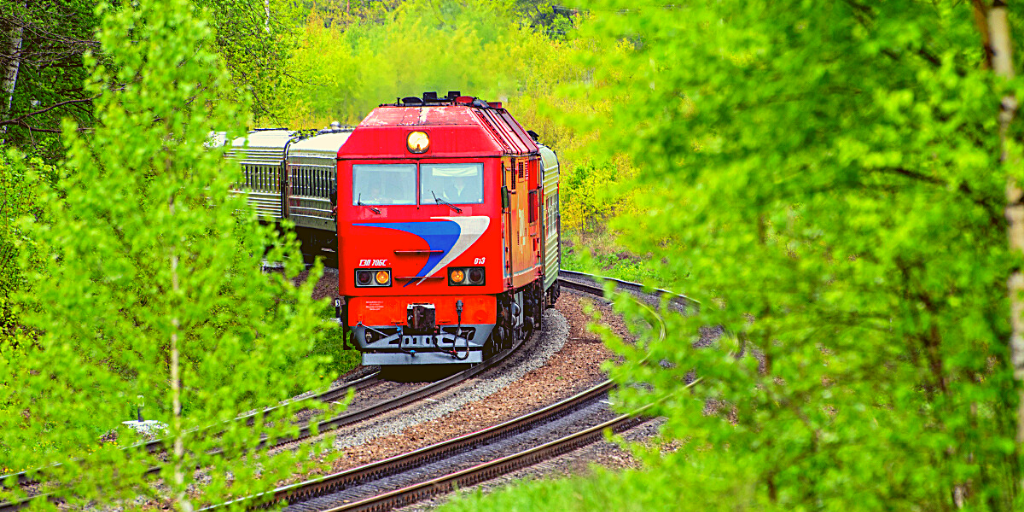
(383, 277)
(418, 142)
(363, 277)
(476, 275)
(458, 276)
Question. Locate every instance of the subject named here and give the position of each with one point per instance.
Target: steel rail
(498, 467)
(488, 470)
(408, 398)
(158, 444)
(303, 491)
(566, 278)
(341, 420)
(433, 388)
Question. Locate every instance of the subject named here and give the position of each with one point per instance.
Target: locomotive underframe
(518, 314)
(390, 345)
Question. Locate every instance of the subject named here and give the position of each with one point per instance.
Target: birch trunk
(13, 65)
(179, 446)
(1002, 65)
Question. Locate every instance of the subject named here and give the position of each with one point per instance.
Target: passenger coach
(290, 175)
(448, 231)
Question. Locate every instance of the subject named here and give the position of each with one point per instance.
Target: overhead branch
(963, 187)
(19, 120)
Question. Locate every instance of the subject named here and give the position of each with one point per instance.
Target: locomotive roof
(455, 130)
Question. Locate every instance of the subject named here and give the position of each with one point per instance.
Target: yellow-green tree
(826, 179)
(153, 291)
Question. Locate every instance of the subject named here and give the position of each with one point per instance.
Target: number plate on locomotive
(419, 341)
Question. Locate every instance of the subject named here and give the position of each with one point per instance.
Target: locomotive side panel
(523, 222)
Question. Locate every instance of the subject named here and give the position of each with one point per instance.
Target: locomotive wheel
(489, 346)
(538, 306)
(503, 331)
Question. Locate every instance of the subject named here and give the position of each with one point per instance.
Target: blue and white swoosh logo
(450, 235)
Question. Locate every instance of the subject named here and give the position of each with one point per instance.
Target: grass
(600, 253)
(627, 490)
(342, 361)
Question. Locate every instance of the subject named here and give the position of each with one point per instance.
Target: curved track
(413, 476)
(340, 420)
(321, 489)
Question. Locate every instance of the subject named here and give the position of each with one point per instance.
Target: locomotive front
(424, 253)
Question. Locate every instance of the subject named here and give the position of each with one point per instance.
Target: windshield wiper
(360, 203)
(438, 200)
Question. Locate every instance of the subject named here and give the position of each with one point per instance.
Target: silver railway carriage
(312, 180)
(261, 155)
(288, 175)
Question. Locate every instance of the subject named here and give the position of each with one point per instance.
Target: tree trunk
(179, 446)
(13, 65)
(1002, 65)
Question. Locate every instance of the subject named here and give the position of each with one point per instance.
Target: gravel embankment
(576, 463)
(595, 413)
(572, 368)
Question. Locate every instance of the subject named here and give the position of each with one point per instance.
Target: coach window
(455, 183)
(380, 184)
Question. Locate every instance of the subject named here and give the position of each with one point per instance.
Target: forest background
(827, 179)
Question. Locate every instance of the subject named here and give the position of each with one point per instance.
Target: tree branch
(19, 120)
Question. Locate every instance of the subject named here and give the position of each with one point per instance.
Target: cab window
(381, 184)
(456, 183)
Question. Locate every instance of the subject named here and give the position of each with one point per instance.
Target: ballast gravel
(552, 339)
(580, 462)
(574, 368)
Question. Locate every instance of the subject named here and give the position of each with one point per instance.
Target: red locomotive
(448, 231)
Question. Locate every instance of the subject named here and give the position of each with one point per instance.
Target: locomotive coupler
(420, 318)
(458, 333)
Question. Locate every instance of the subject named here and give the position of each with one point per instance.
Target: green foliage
(824, 178)
(482, 48)
(19, 189)
(329, 346)
(625, 491)
(254, 45)
(600, 253)
(153, 292)
(55, 35)
(591, 194)
(350, 61)
(842, 218)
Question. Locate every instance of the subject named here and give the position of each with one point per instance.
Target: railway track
(348, 417)
(589, 283)
(321, 489)
(157, 445)
(359, 488)
(456, 463)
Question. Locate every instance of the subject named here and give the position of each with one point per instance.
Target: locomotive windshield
(381, 184)
(455, 183)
